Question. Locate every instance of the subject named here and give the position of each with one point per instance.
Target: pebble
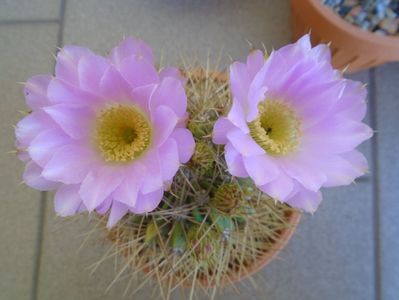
(378, 16)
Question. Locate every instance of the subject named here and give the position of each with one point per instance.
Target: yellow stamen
(123, 133)
(277, 128)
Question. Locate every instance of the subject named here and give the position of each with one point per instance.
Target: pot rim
(270, 255)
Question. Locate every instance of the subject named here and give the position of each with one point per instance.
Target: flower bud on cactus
(227, 198)
(204, 156)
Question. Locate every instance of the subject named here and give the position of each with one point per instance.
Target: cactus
(211, 227)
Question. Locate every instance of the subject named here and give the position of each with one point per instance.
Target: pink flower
(294, 124)
(106, 132)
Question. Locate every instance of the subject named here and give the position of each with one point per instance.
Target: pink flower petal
(237, 116)
(59, 91)
(344, 169)
(321, 52)
(280, 188)
(32, 177)
(128, 190)
(243, 143)
(357, 160)
(131, 47)
(254, 98)
(170, 92)
(113, 86)
(45, 144)
(255, 61)
(343, 135)
(242, 77)
(169, 159)
(75, 121)
(234, 161)
(104, 207)
(70, 164)
(304, 42)
(91, 69)
(174, 73)
(147, 202)
(165, 121)
(303, 167)
(296, 79)
(261, 168)
(273, 70)
(296, 52)
(220, 130)
(315, 103)
(67, 200)
(98, 185)
(141, 96)
(352, 104)
(185, 140)
(137, 71)
(307, 200)
(311, 74)
(118, 210)
(239, 82)
(68, 59)
(35, 91)
(29, 127)
(152, 176)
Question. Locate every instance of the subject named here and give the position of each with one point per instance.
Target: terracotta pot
(350, 44)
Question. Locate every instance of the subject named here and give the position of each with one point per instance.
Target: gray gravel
(378, 16)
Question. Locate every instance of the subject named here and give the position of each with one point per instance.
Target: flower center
(276, 129)
(123, 133)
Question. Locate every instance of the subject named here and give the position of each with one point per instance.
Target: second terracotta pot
(351, 46)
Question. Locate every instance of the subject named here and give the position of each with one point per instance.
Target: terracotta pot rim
(344, 25)
(270, 255)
